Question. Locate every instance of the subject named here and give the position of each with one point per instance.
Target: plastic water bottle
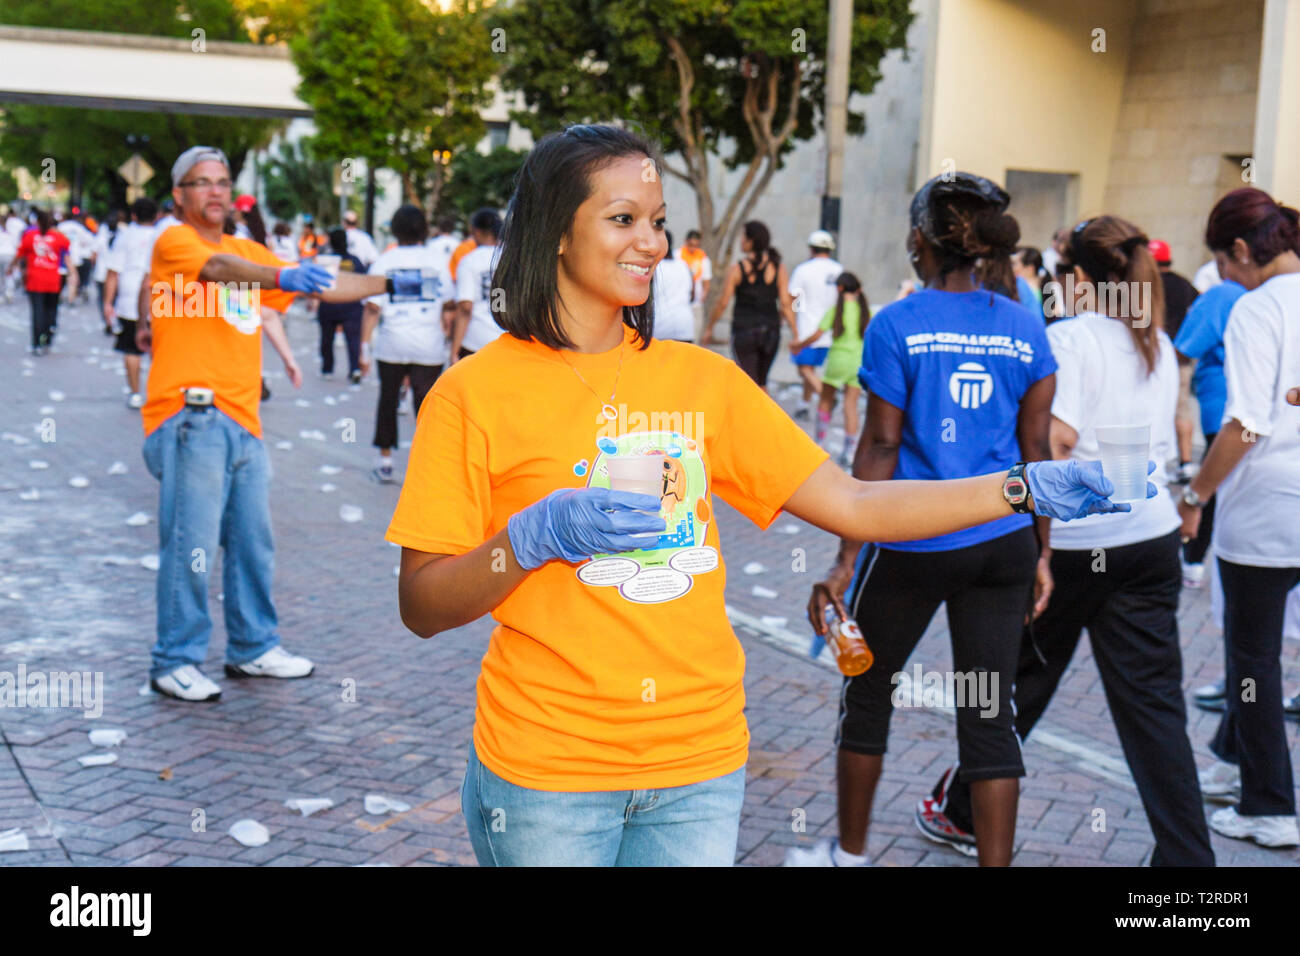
(846, 641)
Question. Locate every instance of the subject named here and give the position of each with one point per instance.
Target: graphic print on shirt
(970, 386)
(239, 305)
(664, 570)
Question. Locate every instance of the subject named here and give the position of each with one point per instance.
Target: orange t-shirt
(622, 672)
(205, 333)
(694, 258)
(460, 252)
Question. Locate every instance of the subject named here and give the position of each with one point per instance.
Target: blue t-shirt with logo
(1200, 337)
(957, 364)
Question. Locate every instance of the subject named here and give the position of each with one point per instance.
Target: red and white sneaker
(934, 824)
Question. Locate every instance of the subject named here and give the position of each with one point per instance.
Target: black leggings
(987, 588)
(1252, 732)
(390, 390)
(45, 315)
(756, 349)
(1194, 550)
(351, 332)
(1127, 598)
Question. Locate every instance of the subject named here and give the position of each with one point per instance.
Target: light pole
(838, 45)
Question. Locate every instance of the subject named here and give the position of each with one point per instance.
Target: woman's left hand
(1043, 585)
(1191, 520)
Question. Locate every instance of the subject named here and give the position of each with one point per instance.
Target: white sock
(844, 858)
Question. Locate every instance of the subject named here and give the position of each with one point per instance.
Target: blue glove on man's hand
(307, 277)
(1075, 489)
(572, 524)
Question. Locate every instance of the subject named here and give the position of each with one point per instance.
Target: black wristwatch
(1016, 490)
(388, 285)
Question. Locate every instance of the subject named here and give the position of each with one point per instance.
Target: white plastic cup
(1124, 451)
(639, 474)
(330, 264)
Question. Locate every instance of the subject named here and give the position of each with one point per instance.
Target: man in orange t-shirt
(211, 296)
(460, 252)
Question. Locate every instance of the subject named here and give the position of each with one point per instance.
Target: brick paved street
(74, 595)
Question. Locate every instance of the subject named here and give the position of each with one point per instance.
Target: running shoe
(1211, 697)
(1193, 575)
(822, 854)
(934, 824)
(135, 401)
(1221, 782)
(1273, 831)
(326, 376)
(355, 377)
(383, 474)
(802, 413)
(1291, 707)
(186, 683)
(277, 662)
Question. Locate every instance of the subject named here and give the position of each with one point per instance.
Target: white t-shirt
(130, 257)
(283, 247)
(15, 227)
(1207, 276)
(674, 318)
(1101, 379)
(706, 275)
(442, 247)
(362, 246)
(80, 238)
(103, 239)
(1257, 508)
(410, 329)
(812, 287)
(474, 284)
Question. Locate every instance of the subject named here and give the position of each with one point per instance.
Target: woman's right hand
(572, 524)
(1074, 489)
(707, 338)
(829, 591)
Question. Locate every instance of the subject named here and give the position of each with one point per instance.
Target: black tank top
(756, 300)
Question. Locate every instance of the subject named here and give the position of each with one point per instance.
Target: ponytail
(1112, 250)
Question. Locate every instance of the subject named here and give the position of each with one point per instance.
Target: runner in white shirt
(674, 317)
(359, 242)
(475, 327)
(103, 239)
(128, 262)
(281, 242)
(82, 240)
(411, 341)
(445, 242)
(813, 292)
(1253, 469)
(10, 233)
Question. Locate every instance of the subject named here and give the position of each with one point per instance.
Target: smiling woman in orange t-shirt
(610, 723)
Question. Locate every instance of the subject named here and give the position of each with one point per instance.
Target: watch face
(1015, 490)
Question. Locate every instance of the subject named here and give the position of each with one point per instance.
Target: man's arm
(369, 321)
(349, 286)
(273, 326)
(464, 312)
(110, 296)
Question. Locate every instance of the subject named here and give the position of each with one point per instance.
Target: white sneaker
(277, 662)
(186, 683)
(135, 401)
(1266, 831)
(820, 855)
(1221, 782)
(1193, 575)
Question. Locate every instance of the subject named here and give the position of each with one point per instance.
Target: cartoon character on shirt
(665, 569)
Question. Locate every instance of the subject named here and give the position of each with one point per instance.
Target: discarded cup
(12, 841)
(97, 760)
(250, 833)
(376, 805)
(106, 737)
(1124, 450)
(309, 805)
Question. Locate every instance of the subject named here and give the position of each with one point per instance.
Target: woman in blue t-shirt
(961, 382)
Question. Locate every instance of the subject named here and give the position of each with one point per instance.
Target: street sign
(136, 172)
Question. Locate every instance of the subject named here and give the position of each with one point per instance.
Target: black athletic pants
(1194, 550)
(390, 390)
(351, 332)
(1252, 732)
(1130, 610)
(756, 349)
(45, 313)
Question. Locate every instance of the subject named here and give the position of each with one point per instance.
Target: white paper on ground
(47, 409)
(330, 469)
(302, 403)
(284, 445)
(79, 481)
(311, 435)
(788, 529)
(772, 621)
(107, 737)
(329, 400)
(97, 760)
(12, 841)
(350, 513)
(56, 396)
(138, 519)
(376, 805)
(309, 805)
(759, 591)
(37, 465)
(343, 423)
(117, 468)
(30, 495)
(327, 487)
(754, 567)
(250, 833)
(150, 562)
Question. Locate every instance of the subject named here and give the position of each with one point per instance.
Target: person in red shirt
(40, 250)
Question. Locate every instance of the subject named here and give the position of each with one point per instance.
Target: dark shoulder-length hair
(553, 182)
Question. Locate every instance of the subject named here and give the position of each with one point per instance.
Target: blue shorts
(811, 356)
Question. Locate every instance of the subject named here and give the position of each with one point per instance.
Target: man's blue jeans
(215, 491)
(693, 825)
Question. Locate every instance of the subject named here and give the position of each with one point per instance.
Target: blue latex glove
(1075, 489)
(572, 524)
(307, 277)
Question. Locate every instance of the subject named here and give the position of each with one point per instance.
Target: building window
(498, 133)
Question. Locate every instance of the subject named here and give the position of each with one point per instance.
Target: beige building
(1148, 109)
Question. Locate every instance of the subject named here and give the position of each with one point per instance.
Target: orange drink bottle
(846, 641)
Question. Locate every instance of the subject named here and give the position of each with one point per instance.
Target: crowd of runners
(526, 341)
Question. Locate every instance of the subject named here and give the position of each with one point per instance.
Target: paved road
(75, 596)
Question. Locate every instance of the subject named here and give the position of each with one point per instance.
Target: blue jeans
(215, 479)
(693, 825)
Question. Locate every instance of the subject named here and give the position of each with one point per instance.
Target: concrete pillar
(1277, 110)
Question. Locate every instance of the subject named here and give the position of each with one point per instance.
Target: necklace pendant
(609, 411)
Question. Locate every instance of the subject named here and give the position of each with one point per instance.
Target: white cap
(821, 239)
(192, 157)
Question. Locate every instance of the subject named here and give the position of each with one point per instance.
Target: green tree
(397, 82)
(474, 180)
(295, 181)
(736, 81)
(97, 139)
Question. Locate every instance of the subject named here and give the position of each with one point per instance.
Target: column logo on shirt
(970, 386)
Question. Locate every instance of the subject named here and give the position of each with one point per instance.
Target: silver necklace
(607, 409)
